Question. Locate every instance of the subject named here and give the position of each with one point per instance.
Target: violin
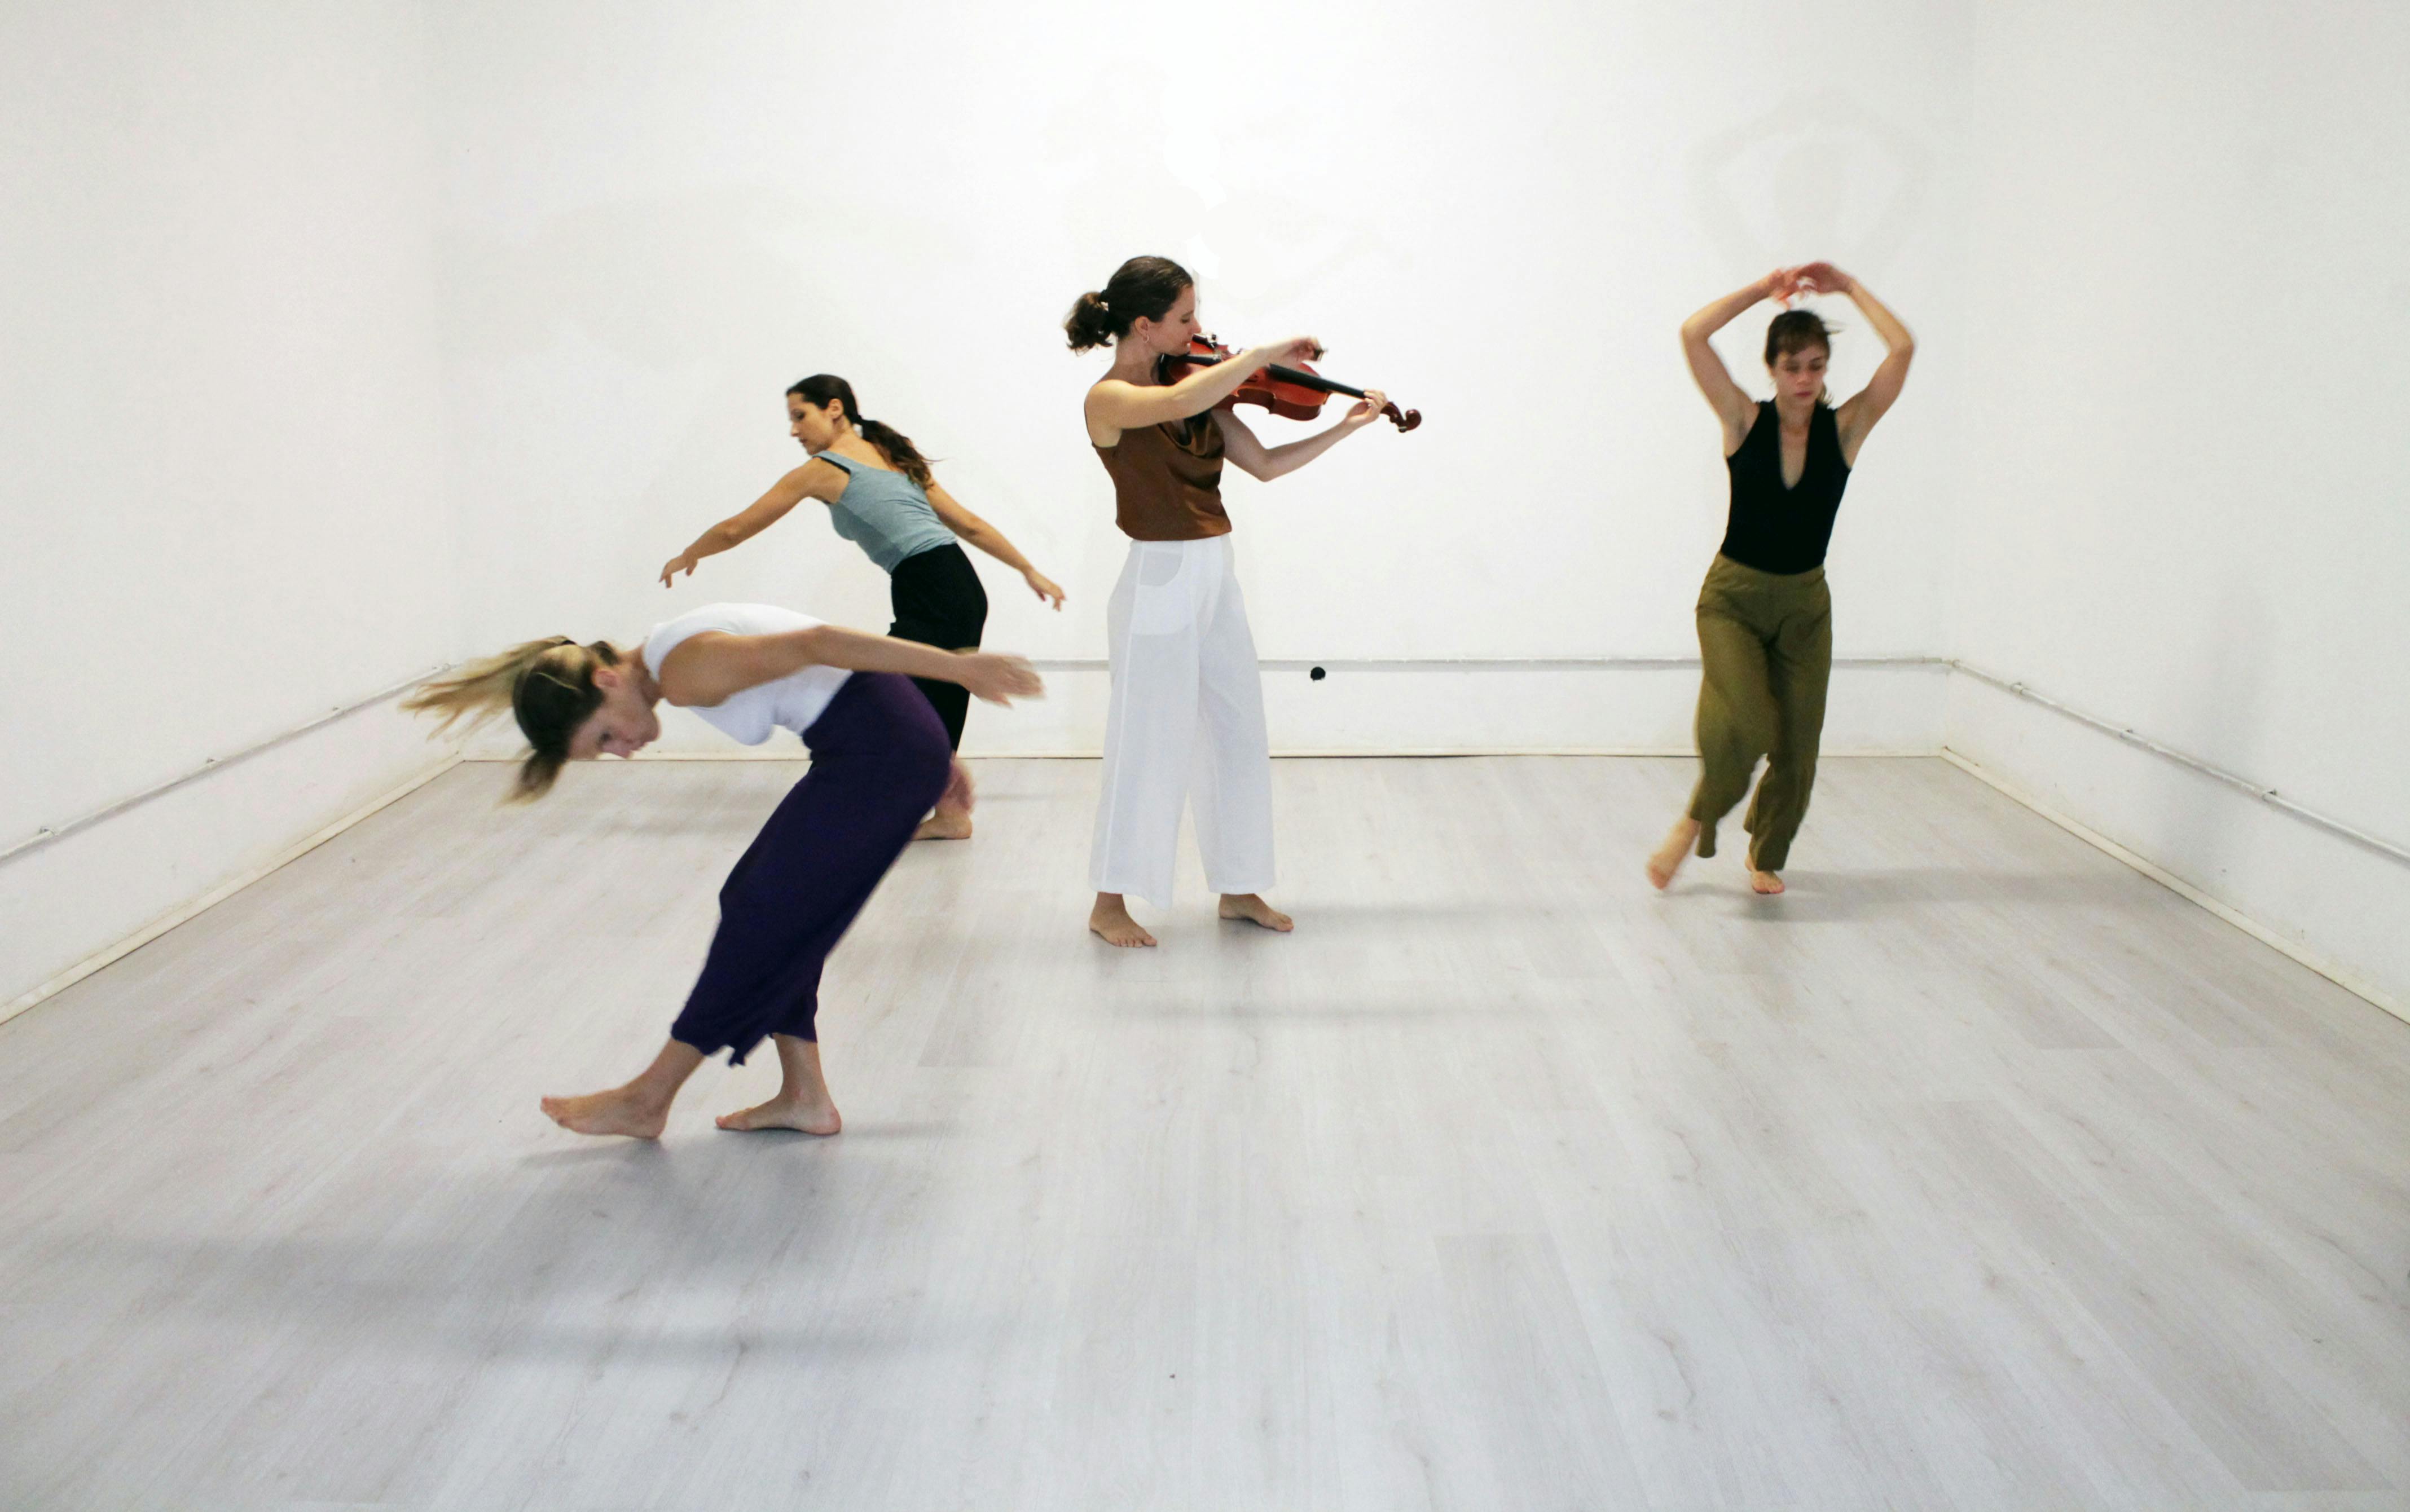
(1291, 392)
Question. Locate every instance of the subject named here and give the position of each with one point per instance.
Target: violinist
(1187, 700)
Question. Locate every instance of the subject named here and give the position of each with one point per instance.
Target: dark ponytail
(1143, 288)
(906, 458)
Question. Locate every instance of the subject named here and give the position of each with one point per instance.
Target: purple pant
(879, 760)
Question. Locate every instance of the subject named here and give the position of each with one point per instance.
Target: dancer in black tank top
(1766, 618)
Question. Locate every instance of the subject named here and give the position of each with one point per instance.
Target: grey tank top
(885, 513)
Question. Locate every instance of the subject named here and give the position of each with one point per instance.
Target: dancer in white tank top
(880, 759)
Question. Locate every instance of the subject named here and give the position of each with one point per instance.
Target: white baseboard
(186, 911)
(2334, 907)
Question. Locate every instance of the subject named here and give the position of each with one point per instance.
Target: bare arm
(1857, 416)
(1115, 404)
(1732, 405)
(988, 538)
(815, 479)
(713, 667)
(1257, 460)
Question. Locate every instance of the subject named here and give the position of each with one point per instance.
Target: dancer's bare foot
(952, 820)
(623, 1110)
(1765, 884)
(1667, 859)
(1111, 919)
(1250, 908)
(810, 1117)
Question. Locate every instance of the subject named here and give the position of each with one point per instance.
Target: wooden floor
(1977, 1172)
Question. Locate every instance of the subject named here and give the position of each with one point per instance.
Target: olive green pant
(1766, 647)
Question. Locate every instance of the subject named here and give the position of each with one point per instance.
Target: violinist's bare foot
(1765, 884)
(944, 826)
(810, 1117)
(1111, 919)
(623, 1110)
(1250, 908)
(1667, 859)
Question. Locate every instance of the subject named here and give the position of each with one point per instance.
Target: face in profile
(1173, 331)
(814, 425)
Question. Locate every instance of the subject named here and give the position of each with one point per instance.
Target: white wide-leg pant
(1187, 726)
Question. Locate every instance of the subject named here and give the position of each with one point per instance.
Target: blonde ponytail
(549, 687)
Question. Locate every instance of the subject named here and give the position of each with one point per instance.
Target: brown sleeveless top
(1168, 480)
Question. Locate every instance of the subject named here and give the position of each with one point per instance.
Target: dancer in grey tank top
(883, 499)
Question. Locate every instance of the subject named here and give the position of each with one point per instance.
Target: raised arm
(815, 479)
(1857, 415)
(1257, 460)
(988, 538)
(1115, 404)
(713, 667)
(1731, 403)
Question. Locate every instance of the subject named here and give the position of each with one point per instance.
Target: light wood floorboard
(1977, 1172)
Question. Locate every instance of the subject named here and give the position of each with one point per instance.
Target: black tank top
(1778, 529)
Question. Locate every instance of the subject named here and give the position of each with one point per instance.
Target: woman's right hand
(683, 562)
(997, 678)
(1782, 285)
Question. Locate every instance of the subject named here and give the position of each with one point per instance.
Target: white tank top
(791, 702)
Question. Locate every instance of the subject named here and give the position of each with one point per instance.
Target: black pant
(939, 602)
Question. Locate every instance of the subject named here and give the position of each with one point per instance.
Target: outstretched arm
(1257, 460)
(713, 667)
(813, 480)
(1115, 405)
(988, 538)
(1857, 416)
(1732, 405)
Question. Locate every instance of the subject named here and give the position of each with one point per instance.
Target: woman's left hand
(1368, 408)
(1043, 586)
(1824, 277)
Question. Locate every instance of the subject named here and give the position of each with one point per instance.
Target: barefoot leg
(1667, 859)
(802, 1102)
(1765, 882)
(640, 1109)
(1250, 908)
(1110, 918)
(953, 818)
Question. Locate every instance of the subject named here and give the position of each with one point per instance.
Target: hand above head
(1782, 285)
(1367, 409)
(682, 562)
(1043, 586)
(998, 679)
(1823, 277)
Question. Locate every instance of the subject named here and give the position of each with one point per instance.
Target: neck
(1133, 363)
(642, 676)
(1793, 411)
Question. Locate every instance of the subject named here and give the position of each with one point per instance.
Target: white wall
(657, 216)
(2183, 487)
(221, 454)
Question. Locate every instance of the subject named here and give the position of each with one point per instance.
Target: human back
(750, 715)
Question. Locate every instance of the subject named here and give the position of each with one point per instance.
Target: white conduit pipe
(2265, 795)
(50, 834)
(2241, 783)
